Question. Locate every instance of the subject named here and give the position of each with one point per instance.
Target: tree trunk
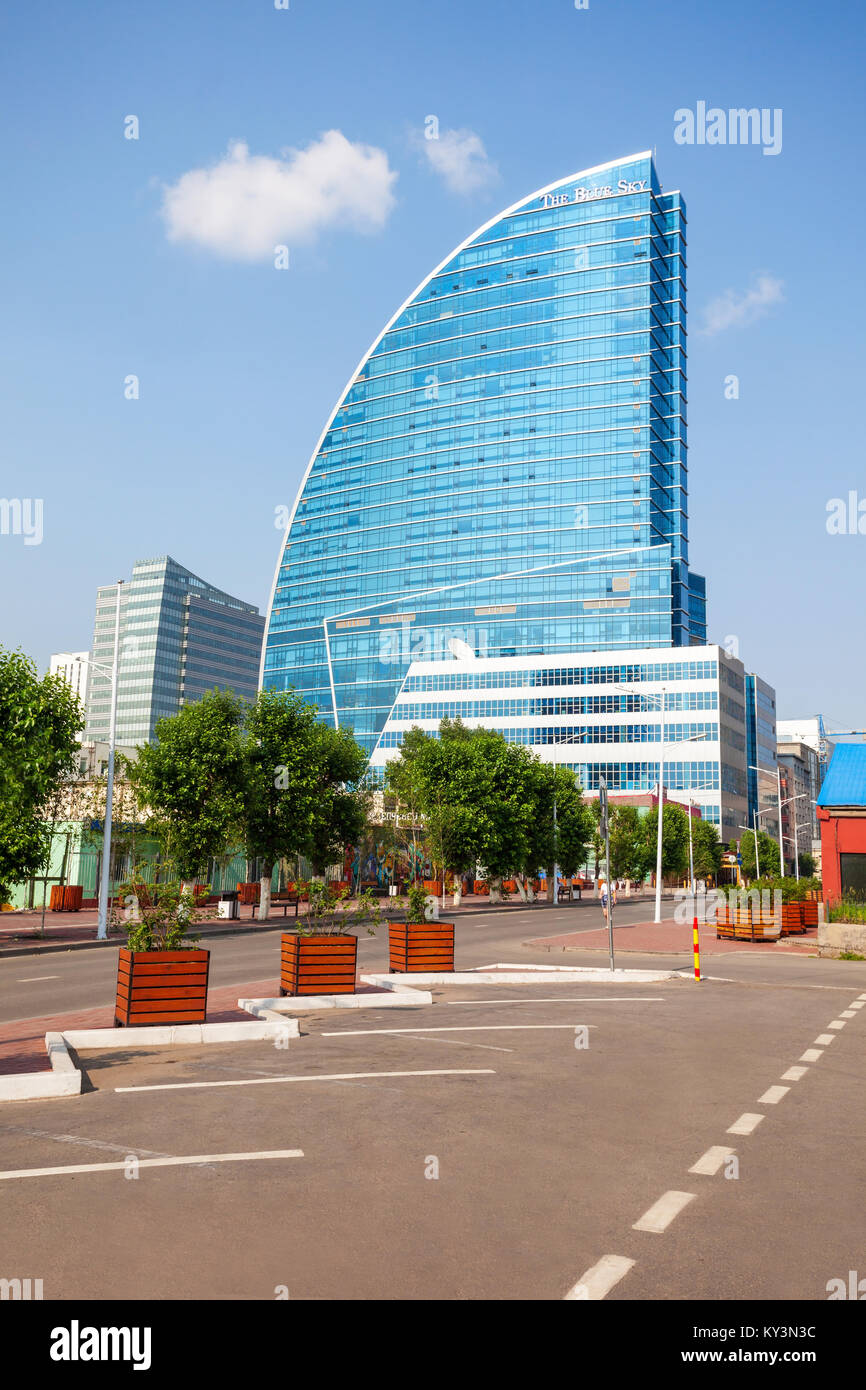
(458, 892)
(496, 888)
(551, 884)
(265, 894)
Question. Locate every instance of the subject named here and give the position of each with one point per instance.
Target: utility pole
(605, 830)
(658, 915)
(105, 882)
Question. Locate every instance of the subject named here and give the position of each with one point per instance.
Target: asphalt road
(37, 985)
(547, 1153)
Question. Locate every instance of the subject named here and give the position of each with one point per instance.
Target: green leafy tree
(629, 851)
(707, 849)
(675, 839)
(192, 779)
(298, 797)
(768, 855)
(574, 827)
(484, 800)
(630, 855)
(341, 809)
(39, 721)
(807, 864)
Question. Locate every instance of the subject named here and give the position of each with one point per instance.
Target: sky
(153, 156)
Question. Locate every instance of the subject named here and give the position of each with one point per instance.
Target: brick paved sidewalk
(670, 938)
(22, 1043)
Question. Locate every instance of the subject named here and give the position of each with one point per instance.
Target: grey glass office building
(179, 637)
(506, 470)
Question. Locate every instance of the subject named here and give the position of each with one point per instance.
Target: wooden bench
(283, 900)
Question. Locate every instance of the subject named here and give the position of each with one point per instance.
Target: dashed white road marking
(745, 1124)
(457, 1028)
(31, 979)
(773, 1095)
(330, 1076)
(598, 1281)
(794, 1073)
(812, 1054)
(825, 1039)
(662, 1212)
(712, 1160)
(856, 1004)
(861, 996)
(847, 1013)
(837, 1024)
(185, 1161)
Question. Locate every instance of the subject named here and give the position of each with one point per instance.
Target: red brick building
(842, 818)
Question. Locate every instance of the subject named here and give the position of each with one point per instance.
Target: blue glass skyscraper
(506, 473)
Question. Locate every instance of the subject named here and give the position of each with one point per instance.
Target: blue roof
(845, 783)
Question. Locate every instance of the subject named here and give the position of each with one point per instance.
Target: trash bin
(228, 904)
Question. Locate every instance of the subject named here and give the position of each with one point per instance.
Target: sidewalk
(671, 938)
(22, 1043)
(20, 931)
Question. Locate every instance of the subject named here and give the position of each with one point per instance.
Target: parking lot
(495, 1145)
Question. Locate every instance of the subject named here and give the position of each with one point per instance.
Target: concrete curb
(172, 1035)
(539, 974)
(395, 998)
(65, 1077)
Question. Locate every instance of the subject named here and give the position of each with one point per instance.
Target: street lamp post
(658, 911)
(105, 879)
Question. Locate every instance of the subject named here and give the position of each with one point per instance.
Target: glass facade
(506, 473)
(178, 638)
(761, 754)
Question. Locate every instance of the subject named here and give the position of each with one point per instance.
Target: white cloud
(460, 159)
(733, 310)
(245, 205)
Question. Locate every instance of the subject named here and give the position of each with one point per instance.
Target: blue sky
(239, 364)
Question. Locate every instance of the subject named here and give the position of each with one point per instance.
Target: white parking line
(598, 1281)
(861, 996)
(456, 1028)
(847, 1013)
(825, 1039)
(712, 1160)
(150, 1163)
(745, 1124)
(773, 1095)
(837, 1024)
(812, 1054)
(455, 1042)
(662, 1212)
(794, 1073)
(856, 1004)
(582, 999)
(330, 1076)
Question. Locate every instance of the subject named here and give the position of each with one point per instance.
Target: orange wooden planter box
(55, 902)
(249, 893)
(480, 886)
(810, 913)
(792, 918)
(433, 886)
(428, 946)
(72, 895)
(161, 987)
(318, 964)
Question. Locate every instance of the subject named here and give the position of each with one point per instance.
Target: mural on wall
(378, 863)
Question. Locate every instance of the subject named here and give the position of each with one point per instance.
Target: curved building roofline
(506, 212)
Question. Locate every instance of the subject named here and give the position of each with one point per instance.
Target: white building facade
(630, 717)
